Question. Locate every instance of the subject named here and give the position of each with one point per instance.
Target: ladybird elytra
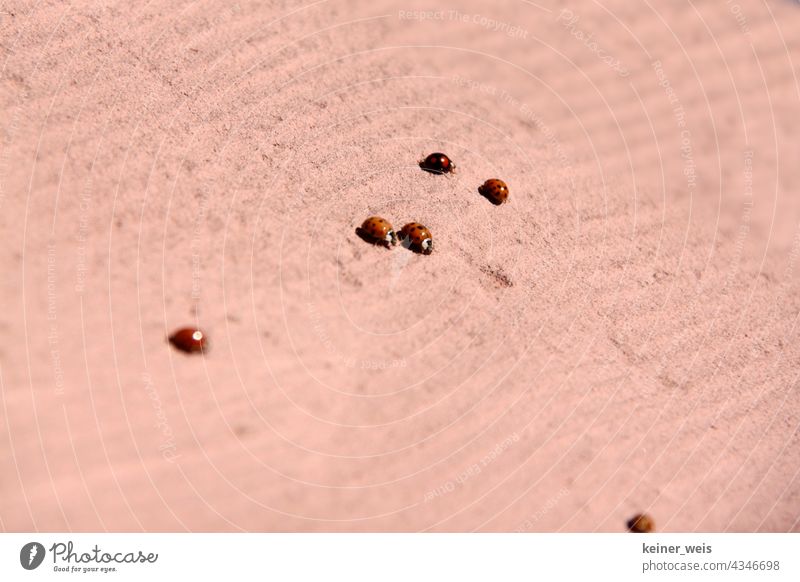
(438, 163)
(377, 230)
(641, 523)
(418, 237)
(494, 190)
(190, 340)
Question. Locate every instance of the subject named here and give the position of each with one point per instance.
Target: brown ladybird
(495, 191)
(377, 230)
(438, 163)
(419, 238)
(189, 340)
(641, 523)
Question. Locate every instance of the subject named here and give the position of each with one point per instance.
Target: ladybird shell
(495, 190)
(189, 340)
(419, 236)
(438, 163)
(378, 230)
(641, 523)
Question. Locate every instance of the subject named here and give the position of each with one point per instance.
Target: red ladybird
(418, 236)
(189, 340)
(641, 523)
(377, 230)
(438, 163)
(495, 191)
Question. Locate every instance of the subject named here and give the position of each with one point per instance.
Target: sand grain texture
(620, 337)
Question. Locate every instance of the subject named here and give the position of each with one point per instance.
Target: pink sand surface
(620, 337)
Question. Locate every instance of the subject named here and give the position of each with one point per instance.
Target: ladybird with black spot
(438, 163)
(378, 231)
(495, 191)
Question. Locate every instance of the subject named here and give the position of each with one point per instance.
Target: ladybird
(438, 163)
(189, 340)
(495, 191)
(378, 231)
(641, 523)
(418, 236)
